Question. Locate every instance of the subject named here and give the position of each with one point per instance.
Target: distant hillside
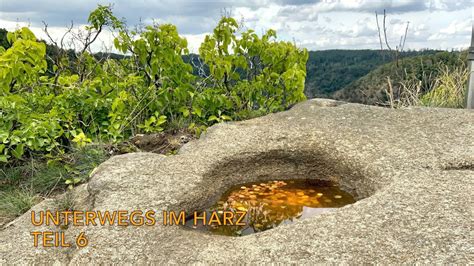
(370, 89)
(331, 70)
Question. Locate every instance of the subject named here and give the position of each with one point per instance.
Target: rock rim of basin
(411, 169)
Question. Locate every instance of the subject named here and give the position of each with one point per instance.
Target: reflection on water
(272, 203)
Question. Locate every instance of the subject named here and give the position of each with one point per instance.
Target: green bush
(48, 111)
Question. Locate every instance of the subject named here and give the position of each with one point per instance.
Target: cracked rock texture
(411, 169)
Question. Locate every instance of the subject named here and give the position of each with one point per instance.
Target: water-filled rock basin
(258, 206)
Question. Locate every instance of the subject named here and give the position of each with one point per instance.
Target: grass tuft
(449, 90)
(15, 202)
(22, 186)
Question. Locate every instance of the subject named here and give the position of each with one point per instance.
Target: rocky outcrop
(411, 169)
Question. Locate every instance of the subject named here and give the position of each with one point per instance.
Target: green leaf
(213, 118)
(197, 111)
(185, 111)
(18, 151)
(226, 117)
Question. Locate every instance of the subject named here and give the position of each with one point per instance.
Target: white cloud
(455, 30)
(194, 41)
(458, 27)
(368, 5)
(324, 24)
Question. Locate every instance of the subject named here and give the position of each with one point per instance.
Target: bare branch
(45, 29)
(380, 36)
(90, 41)
(385, 30)
(405, 37)
(69, 29)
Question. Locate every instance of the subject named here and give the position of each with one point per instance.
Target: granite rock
(412, 171)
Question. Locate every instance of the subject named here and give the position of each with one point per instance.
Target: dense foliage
(74, 98)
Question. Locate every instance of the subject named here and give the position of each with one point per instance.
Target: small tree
(257, 73)
(395, 54)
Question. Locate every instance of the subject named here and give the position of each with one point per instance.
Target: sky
(316, 25)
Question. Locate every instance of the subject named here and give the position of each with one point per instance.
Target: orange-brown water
(269, 204)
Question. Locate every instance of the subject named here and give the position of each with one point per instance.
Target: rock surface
(412, 170)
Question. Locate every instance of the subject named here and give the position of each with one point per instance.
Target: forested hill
(332, 70)
(416, 73)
